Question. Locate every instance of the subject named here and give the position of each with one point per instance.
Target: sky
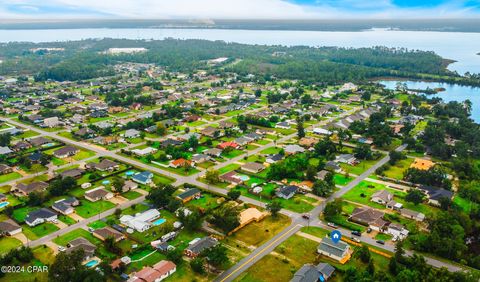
(238, 9)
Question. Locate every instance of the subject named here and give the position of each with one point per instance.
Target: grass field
(10, 176)
(64, 239)
(39, 231)
(8, 243)
(88, 209)
(271, 150)
(398, 169)
(257, 233)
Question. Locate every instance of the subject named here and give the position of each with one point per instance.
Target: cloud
(237, 9)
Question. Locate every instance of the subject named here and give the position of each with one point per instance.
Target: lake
(452, 92)
(459, 46)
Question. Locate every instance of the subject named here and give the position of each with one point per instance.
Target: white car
(61, 249)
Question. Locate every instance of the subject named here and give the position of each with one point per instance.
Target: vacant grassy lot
(74, 234)
(10, 176)
(8, 243)
(398, 169)
(257, 233)
(88, 209)
(39, 231)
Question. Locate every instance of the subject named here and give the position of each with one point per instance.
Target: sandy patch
(75, 217)
(20, 236)
(118, 200)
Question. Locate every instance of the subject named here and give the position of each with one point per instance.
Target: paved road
(297, 223)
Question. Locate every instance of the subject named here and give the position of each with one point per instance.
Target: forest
(328, 65)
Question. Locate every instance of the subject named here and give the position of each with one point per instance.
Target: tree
(61, 186)
(216, 255)
(395, 156)
(160, 197)
(117, 184)
(191, 222)
(415, 196)
(5, 139)
(69, 267)
(197, 265)
(226, 217)
(212, 176)
(274, 207)
(322, 188)
(300, 128)
(363, 152)
(242, 123)
(311, 173)
(175, 256)
(234, 194)
(333, 208)
(364, 254)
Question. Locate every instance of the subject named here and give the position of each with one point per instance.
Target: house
(271, 159)
(21, 145)
(105, 232)
(189, 195)
(144, 152)
(396, 230)
(3, 198)
(247, 216)
(197, 246)
(382, 197)
(211, 132)
(228, 144)
(39, 141)
(103, 165)
(65, 152)
(144, 177)
(98, 194)
(333, 166)
(5, 169)
(214, 152)
(322, 174)
(231, 177)
(308, 142)
(418, 216)
(242, 141)
(312, 273)
(435, 194)
(157, 273)
(347, 159)
(339, 251)
(286, 192)
(26, 189)
(293, 149)
(84, 132)
(66, 206)
(422, 164)
(40, 216)
(369, 217)
(200, 158)
(5, 150)
(321, 131)
(180, 163)
(131, 133)
(141, 221)
(74, 172)
(52, 122)
(81, 243)
(283, 125)
(9, 227)
(129, 185)
(170, 142)
(253, 167)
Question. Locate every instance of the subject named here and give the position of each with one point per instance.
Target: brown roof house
(9, 227)
(25, 189)
(369, 217)
(66, 152)
(105, 232)
(98, 194)
(82, 244)
(158, 272)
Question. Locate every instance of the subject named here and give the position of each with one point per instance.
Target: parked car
(61, 249)
(331, 224)
(306, 216)
(357, 233)
(369, 230)
(355, 239)
(381, 242)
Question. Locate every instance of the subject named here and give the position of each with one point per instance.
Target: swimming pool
(243, 177)
(4, 204)
(159, 221)
(92, 263)
(129, 173)
(106, 182)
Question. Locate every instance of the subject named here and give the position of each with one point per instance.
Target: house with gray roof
(312, 273)
(40, 216)
(339, 251)
(199, 245)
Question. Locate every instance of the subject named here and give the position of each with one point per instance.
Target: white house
(141, 221)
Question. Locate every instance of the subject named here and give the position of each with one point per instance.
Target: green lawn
(257, 233)
(8, 243)
(66, 219)
(131, 195)
(39, 231)
(398, 169)
(10, 176)
(271, 150)
(97, 224)
(83, 154)
(361, 167)
(21, 213)
(228, 168)
(64, 239)
(341, 179)
(232, 154)
(88, 209)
